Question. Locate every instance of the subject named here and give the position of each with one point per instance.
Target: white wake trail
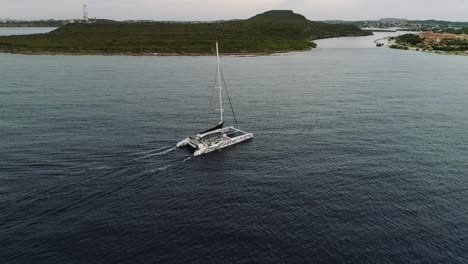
(151, 151)
(158, 153)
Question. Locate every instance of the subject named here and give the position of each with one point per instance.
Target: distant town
(408, 25)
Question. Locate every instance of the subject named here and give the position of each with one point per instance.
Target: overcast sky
(455, 10)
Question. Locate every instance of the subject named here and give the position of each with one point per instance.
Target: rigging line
(229, 98)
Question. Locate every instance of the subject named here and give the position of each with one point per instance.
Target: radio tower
(85, 12)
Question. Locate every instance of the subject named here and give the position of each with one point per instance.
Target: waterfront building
(436, 38)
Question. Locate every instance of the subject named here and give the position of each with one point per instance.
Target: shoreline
(148, 54)
(439, 52)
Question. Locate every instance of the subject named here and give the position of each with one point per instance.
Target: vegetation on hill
(410, 39)
(456, 31)
(273, 31)
(452, 45)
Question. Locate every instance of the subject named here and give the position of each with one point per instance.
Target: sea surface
(360, 155)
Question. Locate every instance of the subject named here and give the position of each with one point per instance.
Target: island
(271, 32)
(437, 42)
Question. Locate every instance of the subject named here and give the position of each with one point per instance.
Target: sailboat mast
(220, 86)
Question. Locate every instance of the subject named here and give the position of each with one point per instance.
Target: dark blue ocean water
(360, 156)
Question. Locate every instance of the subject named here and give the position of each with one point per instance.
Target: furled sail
(219, 126)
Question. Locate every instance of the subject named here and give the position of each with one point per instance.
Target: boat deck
(216, 137)
(235, 133)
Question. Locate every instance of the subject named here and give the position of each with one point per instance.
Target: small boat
(218, 137)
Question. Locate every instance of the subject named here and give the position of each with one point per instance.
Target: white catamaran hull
(183, 143)
(215, 140)
(224, 143)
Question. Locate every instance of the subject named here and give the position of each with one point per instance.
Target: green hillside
(273, 31)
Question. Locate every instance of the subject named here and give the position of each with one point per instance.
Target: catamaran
(219, 136)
